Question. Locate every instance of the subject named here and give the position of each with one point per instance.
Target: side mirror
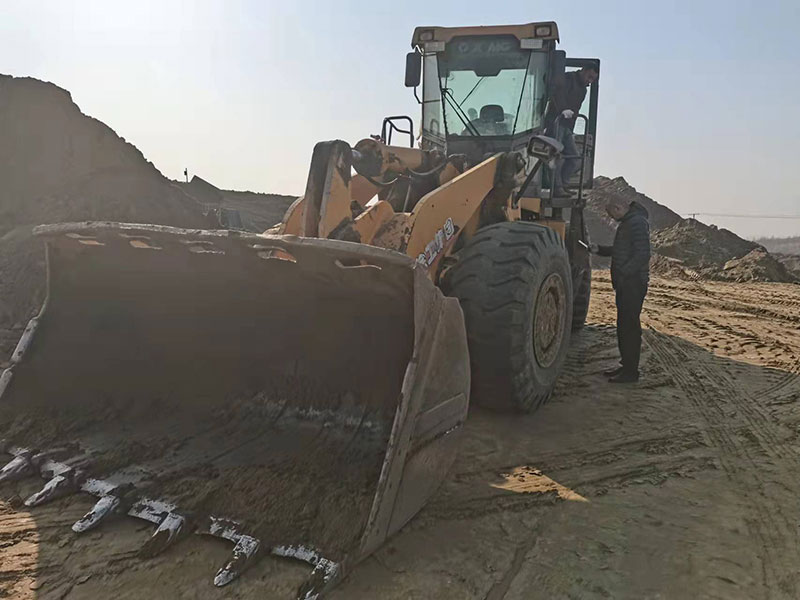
(544, 148)
(413, 69)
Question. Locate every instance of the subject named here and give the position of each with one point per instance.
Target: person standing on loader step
(566, 100)
(630, 274)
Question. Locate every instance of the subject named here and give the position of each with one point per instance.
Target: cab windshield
(484, 86)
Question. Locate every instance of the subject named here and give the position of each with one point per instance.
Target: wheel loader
(301, 392)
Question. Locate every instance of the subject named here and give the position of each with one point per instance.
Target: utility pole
(186, 174)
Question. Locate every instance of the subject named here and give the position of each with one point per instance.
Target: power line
(700, 214)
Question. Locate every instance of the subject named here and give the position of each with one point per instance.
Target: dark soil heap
(57, 164)
(757, 265)
(699, 245)
(602, 227)
(671, 268)
(258, 212)
(684, 248)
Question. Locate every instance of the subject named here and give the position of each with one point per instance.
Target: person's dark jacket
(630, 254)
(568, 93)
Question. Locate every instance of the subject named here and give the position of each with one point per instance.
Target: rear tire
(514, 284)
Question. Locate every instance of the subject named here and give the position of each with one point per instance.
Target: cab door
(586, 128)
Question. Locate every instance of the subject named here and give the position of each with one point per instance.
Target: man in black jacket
(630, 274)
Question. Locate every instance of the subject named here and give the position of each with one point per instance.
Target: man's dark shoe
(612, 372)
(625, 378)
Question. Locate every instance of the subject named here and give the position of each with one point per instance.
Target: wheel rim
(548, 320)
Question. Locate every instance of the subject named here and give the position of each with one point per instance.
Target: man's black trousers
(630, 297)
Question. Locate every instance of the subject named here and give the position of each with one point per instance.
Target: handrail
(582, 155)
(392, 127)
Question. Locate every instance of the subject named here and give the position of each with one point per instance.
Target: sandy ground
(682, 486)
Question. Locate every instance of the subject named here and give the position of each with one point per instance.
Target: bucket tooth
(19, 467)
(325, 574)
(107, 505)
(58, 486)
(170, 530)
(243, 553)
(150, 509)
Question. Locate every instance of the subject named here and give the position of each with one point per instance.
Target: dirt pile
(686, 248)
(671, 268)
(716, 253)
(201, 190)
(757, 265)
(57, 164)
(699, 245)
(257, 212)
(602, 227)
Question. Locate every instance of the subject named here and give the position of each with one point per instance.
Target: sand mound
(671, 268)
(602, 227)
(257, 212)
(57, 164)
(699, 245)
(717, 254)
(685, 248)
(757, 265)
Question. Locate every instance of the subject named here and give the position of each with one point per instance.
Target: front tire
(514, 284)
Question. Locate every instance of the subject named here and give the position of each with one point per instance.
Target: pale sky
(698, 99)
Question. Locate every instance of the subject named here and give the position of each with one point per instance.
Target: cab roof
(544, 30)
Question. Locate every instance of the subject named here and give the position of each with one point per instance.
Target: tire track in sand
(719, 402)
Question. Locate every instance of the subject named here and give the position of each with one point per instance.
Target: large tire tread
(496, 278)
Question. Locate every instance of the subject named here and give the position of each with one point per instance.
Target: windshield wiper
(474, 87)
(462, 116)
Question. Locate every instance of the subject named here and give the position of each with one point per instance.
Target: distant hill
(786, 245)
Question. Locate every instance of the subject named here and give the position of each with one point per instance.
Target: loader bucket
(295, 396)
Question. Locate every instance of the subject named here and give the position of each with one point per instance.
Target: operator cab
(485, 89)
(482, 87)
